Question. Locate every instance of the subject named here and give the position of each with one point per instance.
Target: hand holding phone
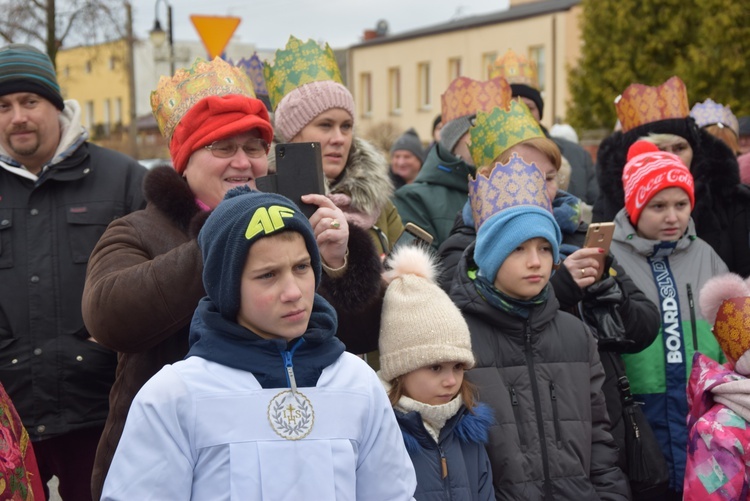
(600, 235)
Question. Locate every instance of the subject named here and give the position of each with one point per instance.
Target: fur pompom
(411, 260)
(719, 288)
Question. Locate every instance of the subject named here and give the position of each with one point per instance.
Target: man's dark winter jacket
(58, 379)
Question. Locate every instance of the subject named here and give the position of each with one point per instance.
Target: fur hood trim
(166, 190)
(365, 178)
(472, 427)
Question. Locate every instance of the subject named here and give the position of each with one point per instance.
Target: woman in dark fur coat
(144, 276)
(722, 204)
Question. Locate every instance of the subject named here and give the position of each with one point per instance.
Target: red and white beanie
(650, 171)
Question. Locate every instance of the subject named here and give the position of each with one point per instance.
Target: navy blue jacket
(460, 448)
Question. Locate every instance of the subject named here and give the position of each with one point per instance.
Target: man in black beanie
(58, 193)
(521, 74)
(407, 157)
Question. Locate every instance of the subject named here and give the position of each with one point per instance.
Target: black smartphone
(413, 235)
(299, 171)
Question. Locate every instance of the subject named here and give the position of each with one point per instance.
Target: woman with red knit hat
(656, 244)
(144, 276)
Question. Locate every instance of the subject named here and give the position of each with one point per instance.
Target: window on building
(487, 59)
(107, 111)
(536, 54)
(118, 111)
(365, 82)
(90, 114)
(425, 96)
(88, 66)
(112, 62)
(394, 90)
(66, 71)
(454, 68)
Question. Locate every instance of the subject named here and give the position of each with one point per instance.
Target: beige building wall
(97, 77)
(553, 37)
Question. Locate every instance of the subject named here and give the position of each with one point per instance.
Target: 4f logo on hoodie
(267, 220)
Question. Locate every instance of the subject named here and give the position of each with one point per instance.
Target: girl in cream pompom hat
(425, 347)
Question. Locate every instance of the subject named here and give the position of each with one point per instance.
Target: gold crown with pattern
(466, 96)
(732, 327)
(710, 112)
(299, 64)
(641, 104)
(508, 185)
(495, 132)
(174, 96)
(516, 69)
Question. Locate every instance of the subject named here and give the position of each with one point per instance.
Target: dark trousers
(70, 458)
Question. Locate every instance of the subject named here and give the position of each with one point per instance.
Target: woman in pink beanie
(322, 110)
(656, 244)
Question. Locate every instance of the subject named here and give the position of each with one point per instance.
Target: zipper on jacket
(555, 416)
(289, 366)
(538, 411)
(691, 304)
(517, 416)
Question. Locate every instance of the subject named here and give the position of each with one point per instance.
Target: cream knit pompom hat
(420, 325)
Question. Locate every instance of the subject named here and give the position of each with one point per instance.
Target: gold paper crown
(465, 96)
(516, 69)
(299, 64)
(710, 112)
(508, 185)
(174, 96)
(495, 132)
(732, 327)
(640, 104)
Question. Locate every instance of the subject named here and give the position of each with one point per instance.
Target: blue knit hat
(241, 219)
(509, 228)
(24, 68)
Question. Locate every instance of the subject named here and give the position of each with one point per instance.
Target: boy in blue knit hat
(266, 405)
(537, 367)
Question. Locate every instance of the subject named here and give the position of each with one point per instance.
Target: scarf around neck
(433, 417)
(219, 340)
(517, 307)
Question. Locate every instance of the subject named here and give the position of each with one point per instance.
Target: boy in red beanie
(656, 244)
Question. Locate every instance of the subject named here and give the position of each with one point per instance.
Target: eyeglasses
(253, 148)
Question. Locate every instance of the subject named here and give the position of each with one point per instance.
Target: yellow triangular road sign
(215, 32)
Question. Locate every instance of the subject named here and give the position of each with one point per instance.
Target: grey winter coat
(543, 379)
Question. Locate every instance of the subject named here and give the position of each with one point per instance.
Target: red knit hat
(214, 118)
(650, 171)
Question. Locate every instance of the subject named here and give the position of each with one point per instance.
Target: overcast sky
(268, 23)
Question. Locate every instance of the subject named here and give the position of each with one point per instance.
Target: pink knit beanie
(303, 104)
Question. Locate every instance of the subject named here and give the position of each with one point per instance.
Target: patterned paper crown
(508, 185)
(640, 104)
(711, 113)
(174, 96)
(299, 64)
(465, 96)
(495, 132)
(516, 69)
(253, 67)
(732, 327)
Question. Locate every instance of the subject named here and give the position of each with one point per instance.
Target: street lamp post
(157, 35)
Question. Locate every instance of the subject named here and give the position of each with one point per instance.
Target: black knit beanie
(524, 90)
(241, 219)
(24, 68)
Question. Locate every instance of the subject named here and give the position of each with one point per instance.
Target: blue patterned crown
(711, 113)
(254, 69)
(508, 185)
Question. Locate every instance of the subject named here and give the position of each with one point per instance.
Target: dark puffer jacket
(722, 204)
(543, 379)
(461, 446)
